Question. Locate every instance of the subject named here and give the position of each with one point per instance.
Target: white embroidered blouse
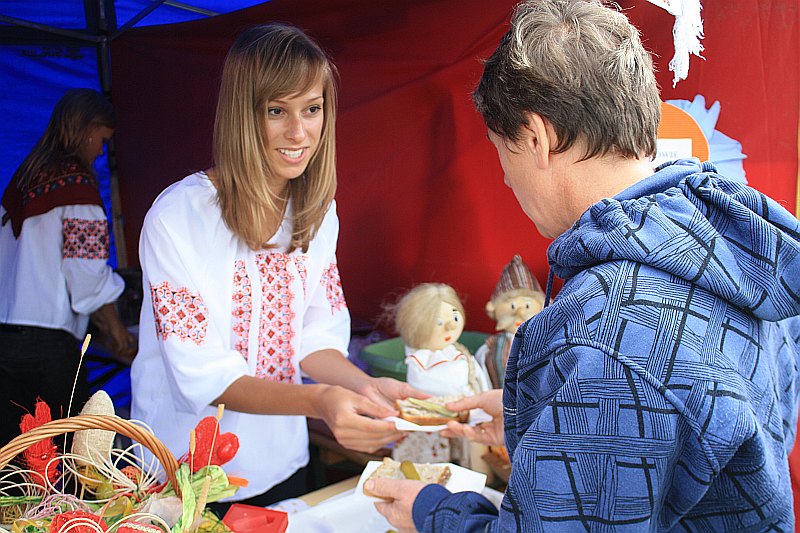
(56, 273)
(215, 310)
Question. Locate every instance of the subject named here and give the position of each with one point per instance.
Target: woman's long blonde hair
(265, 63)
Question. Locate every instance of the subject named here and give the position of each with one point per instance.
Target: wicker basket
(80, 422)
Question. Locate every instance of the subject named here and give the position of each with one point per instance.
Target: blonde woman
(242, 289)
(54, 272)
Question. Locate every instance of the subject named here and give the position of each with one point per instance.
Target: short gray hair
(580, 65)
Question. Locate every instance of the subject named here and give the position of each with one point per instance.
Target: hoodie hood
(690, 222)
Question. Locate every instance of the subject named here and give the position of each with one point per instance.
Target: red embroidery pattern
(84, 239)
(300, 263)
(275, 350)
(242, 308)
(333, 287)
(179, 312)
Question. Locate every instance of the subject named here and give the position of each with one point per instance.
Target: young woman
(53, 270)
(242, 289)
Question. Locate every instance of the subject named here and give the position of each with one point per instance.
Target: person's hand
(352, 419)
(490, 433)
(123, 345)
(400, 494)
(384, 391)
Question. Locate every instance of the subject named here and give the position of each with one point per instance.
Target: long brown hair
(65, 135)
(265, 63)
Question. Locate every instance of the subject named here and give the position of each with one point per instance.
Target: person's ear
(490, 309)
(540, 141)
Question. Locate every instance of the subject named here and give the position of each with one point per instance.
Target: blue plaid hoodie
(658, 392)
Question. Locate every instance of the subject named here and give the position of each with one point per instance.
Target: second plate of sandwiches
(453, 477)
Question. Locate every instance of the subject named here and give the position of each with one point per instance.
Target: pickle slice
(408, 470)
(435, 407)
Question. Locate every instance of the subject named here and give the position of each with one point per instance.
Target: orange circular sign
(678, 124)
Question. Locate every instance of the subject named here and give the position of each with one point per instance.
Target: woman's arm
(353, 418)
(329, 366)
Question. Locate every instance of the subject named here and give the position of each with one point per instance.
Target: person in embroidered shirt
(54, 275)
(659, 390)
(242, 288)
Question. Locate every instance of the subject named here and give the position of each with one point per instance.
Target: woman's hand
(352, 419)
(490, 433)
(400, 494)
(123, 345)
(385, 391)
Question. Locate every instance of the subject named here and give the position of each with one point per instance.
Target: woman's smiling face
(294, 127)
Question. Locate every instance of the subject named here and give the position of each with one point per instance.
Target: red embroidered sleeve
(84, 239)
(179, 312)
(333, 287)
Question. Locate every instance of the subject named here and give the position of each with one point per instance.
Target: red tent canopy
(421, 195)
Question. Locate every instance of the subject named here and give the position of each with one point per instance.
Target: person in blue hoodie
(658, 391)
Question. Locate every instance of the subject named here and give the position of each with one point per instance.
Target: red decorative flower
(38, 456)
(211, 447)
(79, 522)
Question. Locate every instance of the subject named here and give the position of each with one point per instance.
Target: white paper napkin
(476, 416)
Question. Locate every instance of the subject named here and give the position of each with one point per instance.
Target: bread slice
(428, 473)
(425, 417)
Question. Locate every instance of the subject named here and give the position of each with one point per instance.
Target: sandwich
(430, 412)
(425, 472)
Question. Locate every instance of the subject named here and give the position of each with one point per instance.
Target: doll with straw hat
(516, 297)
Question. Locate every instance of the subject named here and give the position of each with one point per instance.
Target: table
(320, 495)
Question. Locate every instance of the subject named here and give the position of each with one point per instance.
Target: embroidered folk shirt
(215, 310)
(54, 248)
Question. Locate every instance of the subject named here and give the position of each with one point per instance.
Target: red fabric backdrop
(421, 195)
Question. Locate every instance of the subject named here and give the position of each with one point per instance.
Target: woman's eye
(314, 109)
(274, 111)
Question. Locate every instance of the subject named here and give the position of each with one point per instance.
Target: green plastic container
(385, 358)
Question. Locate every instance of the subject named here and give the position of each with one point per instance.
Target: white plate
(476, 416)
(345, 514)
(352, 513)
(461, 479)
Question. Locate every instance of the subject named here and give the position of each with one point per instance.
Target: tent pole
(118, 225)
(105, 22)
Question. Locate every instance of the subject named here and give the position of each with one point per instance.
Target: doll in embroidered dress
(430, 319)
(516, 298)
